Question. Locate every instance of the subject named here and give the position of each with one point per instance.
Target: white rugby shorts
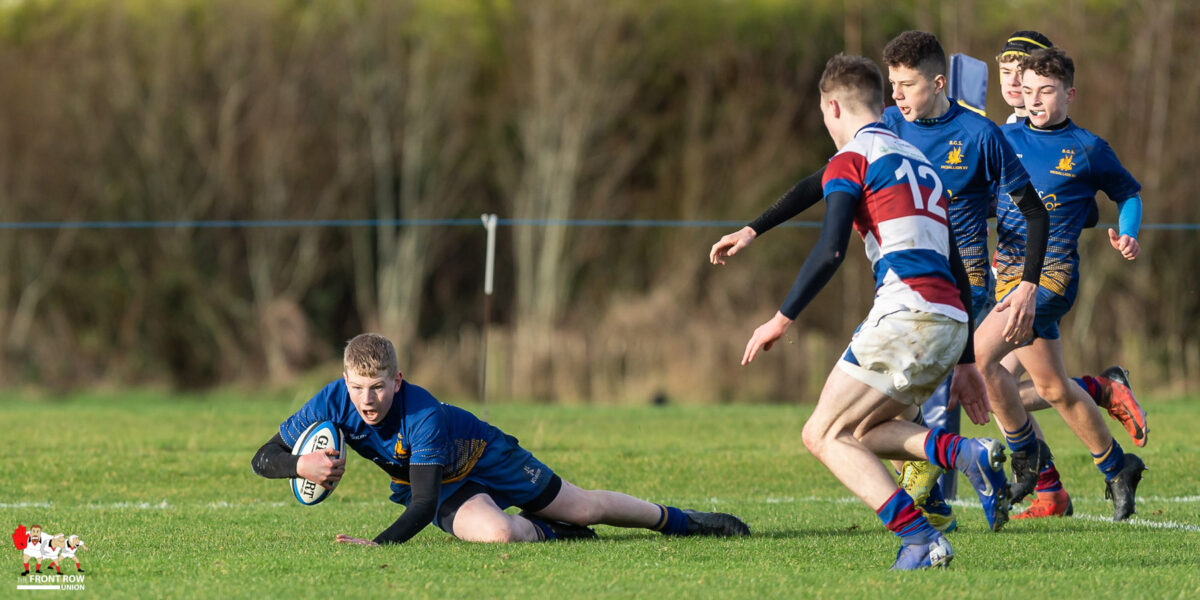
(904, 353)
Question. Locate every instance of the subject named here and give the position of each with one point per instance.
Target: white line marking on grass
(160, 505)
(1173, 525)
(1175, 500)
(1097, 500)
(1135, 521)
(816, 499)
(138, 505)
(1132, 521)
(224, 504)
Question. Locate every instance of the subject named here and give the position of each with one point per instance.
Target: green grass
(161, 489)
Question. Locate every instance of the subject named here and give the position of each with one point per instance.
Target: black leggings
(449, 508)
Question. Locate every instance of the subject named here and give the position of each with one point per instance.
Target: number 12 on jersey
(926, 172)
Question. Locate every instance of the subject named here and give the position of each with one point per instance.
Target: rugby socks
(1023, 439)
(902, 518)
(1048, 479)
(1111, 461)
(943, 448)
(671, 521)
(1093, 387)
(545, 533)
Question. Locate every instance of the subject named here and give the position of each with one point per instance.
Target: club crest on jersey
(1065, 164)
(955, 157)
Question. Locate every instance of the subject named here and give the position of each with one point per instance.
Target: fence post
(489, 223)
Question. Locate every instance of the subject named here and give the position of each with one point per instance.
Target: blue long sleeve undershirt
(1129, 216)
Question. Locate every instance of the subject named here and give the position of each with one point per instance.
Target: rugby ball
(316, 438)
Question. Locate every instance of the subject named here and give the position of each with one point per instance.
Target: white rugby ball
(316, 438)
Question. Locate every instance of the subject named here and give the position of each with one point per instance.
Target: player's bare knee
(814, 438)
(499, 531)
(1054, 392)
(989, 367)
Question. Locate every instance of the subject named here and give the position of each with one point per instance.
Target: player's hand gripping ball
(316, 438)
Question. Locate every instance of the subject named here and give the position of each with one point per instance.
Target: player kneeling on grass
(916, 332)
(453, 470)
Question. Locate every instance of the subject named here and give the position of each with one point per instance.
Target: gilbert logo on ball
(316, 438)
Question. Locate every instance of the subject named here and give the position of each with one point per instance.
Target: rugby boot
(985, 471)
(918, 478)
(1026, 466)
(1049, 504)
(936, 553)
(1122, 405)
(714, 524)
(940, 515)
(1122, 489)
(562, 529)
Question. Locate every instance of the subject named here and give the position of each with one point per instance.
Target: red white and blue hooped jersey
(902, 218)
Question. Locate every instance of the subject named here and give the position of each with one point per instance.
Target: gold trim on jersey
(469, 453)
(963, 103)
(1055, 278)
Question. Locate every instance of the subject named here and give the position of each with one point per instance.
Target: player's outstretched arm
(804, 194)
(818, 269)
(426, 482)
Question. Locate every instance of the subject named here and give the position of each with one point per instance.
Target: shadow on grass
(773, 534)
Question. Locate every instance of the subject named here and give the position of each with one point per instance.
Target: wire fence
(503, 222)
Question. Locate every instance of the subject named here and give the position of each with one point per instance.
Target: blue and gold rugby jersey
(976, 164)
(418, 430)
(1067, 167)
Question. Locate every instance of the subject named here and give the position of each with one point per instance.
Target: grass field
(161, 490)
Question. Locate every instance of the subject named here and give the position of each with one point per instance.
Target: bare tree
(412, 89)
(572, 66)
